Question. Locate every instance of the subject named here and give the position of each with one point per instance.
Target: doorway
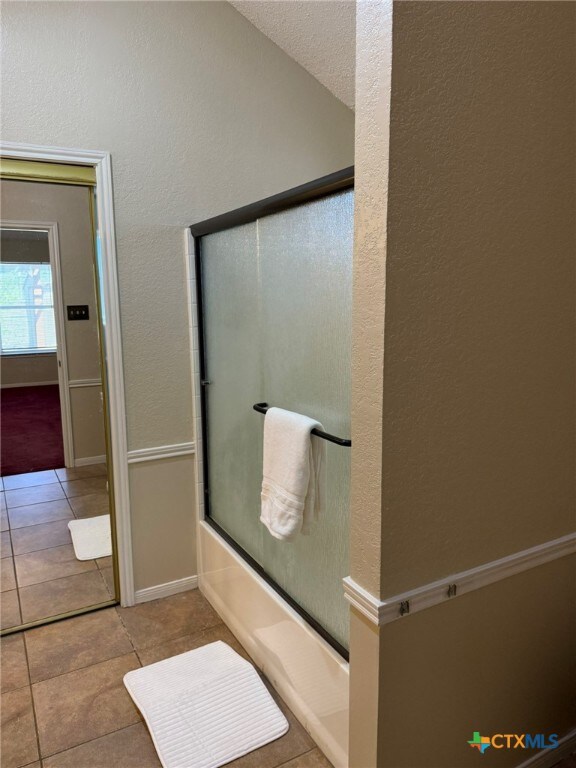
(58, 557)
(31, 412)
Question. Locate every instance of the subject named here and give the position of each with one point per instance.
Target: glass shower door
(277, 297)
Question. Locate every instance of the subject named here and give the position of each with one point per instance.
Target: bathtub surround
(307, 573)
(309, 675)
(274, 296)
(464, 299)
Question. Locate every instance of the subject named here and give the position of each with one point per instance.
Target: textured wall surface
(475, 277)
(479, 353)
(499, 660)
(374, 35)
(202, 114)
(317, 34)
(373, 89)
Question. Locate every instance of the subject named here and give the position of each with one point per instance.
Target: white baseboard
(30, 384)
(165, 590)
(547, 758)
(89, 460)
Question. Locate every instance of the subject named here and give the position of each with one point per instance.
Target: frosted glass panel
(230, 278)
(277, 308)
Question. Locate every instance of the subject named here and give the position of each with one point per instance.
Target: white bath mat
(91, 537)
(205, 707)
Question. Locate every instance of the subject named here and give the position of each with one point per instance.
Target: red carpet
(30, 429)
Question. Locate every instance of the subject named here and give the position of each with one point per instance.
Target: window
(26, 308)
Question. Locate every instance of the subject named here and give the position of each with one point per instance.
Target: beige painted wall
(154, 520)
(69, 206)
(201, 114)
(478, 372)
(87, 413)
(499, 660)
(479, 351)
(373, 87)
(28, 369)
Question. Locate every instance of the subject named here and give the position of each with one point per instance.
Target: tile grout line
(135, 651)
(169, 640)
(66, 497)
(143, 722)
(82, 743)
(94, 606)
(301, 754)
(58, 578)
(43, 501)
(47, 522)
(58, 480)
(12, 528)
(79, 669)
(44, 549)
(32, 698)
(125, 628)
(180, 637)
(102, 735)
(18, 597)
(20, 687)
(112, 597)
(18, 587)
(22, 527)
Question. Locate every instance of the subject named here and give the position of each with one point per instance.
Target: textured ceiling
(318, 34)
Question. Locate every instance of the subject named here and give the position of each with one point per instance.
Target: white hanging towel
(292, 473)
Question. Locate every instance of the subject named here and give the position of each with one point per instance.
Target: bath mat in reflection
(205, 707)
(91, 537)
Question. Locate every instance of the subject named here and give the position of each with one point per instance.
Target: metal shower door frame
(314, 190)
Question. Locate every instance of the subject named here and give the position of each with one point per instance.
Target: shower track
(330, 184)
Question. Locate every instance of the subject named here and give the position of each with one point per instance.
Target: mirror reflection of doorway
(31, 414)
(57, 555)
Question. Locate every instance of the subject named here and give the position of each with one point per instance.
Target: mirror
(56, 543)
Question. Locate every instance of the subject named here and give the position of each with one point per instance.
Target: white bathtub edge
(222, 568)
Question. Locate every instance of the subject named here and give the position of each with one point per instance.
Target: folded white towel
(292, 473)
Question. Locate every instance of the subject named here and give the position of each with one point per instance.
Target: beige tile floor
(63, 701)
(64, 704)
(40, 575)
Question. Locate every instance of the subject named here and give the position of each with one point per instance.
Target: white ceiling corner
(318, 34)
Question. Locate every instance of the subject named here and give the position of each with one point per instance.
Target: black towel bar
(263, 407)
